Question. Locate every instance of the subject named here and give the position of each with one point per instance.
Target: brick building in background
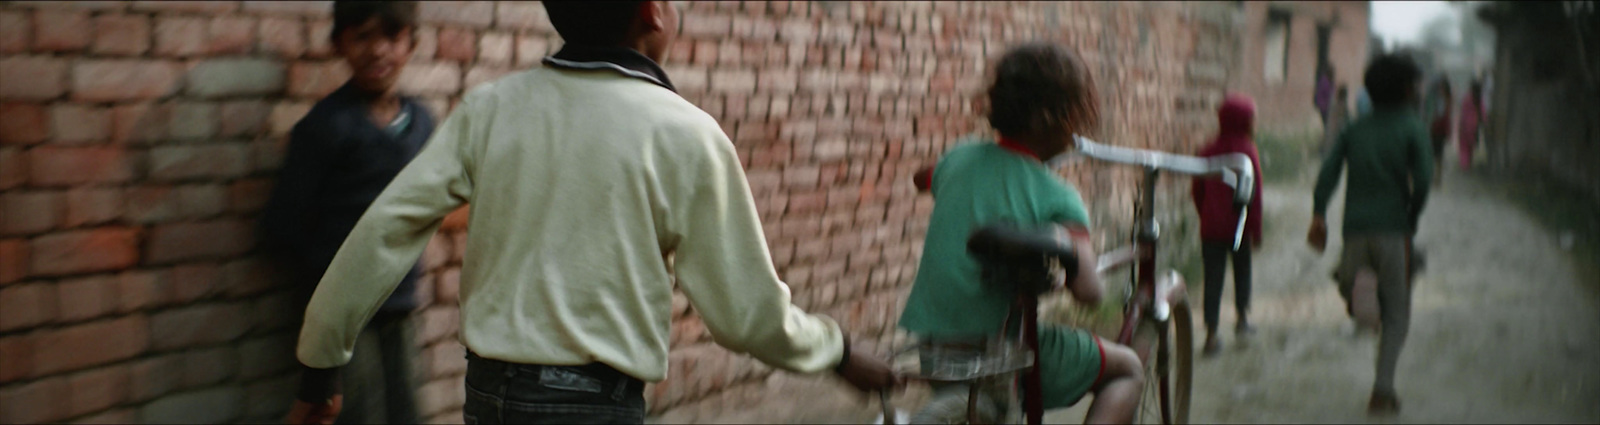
(138, 140)
(1282, 44)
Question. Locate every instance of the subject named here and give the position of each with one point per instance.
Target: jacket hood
(1236, 117)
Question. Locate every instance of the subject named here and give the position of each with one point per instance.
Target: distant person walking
(1213, 200)
(1437, 108)
(1323, 98)
(1387, 155)
(1471, 114)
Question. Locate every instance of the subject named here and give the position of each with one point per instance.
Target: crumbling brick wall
(139, 139)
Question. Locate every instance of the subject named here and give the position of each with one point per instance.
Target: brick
(446, 359)
(522, 16)
(314, 80)
(156, 376)
(84, 251)
(28, 305)
(426, 79)
(91, 344)
(183, 6)
(16, 31)
(279, 311)
(140, 122)
(61, 166)
(24, 123)
(198, 325)
(230, 35)
(495, 48)
(269, 400)
(209, 366)
(483, 74)
(115, 416)
(79, 124)
(202, 200)
(215, 405)
(243, 118)
(152, 204)
(317, 43)
(474, 14)
(267, 355)
(248, 195)
(30, 212)
(14, 256)
(97, 389)
(193, 282)
(736, 81)
(193, 121)
(180, 36)
(121, 35)
(448, 286)
(13, 168)
(267, 154)
(697, 25)
(427, 39)
(295, 8)
(60, 30)
(440, 394)
(85, 5)
(114, 80)
(249, 276)
(285, 37)
(35, 402)
(141, 289)
(198, 240)
(286, 114)
(93, 206)
(221, 160)
(457, 44)
(235, 77)
(32, 77)
(437, 322)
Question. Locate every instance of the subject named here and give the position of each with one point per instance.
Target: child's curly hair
(1041, 88)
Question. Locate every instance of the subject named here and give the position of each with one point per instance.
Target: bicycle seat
(1020, 259)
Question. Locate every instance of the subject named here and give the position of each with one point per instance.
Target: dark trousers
(377, 382)
(511, 393)
(1215, 257)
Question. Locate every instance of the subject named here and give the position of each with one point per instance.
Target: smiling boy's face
(374, 56)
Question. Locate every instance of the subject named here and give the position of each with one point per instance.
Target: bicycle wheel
(1169, 374)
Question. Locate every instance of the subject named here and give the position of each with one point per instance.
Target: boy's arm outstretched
(1086, 287)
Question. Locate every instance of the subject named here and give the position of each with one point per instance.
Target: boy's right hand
(1318, 236)
(868, 373)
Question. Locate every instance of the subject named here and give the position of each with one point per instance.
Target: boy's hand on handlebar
(868, 373)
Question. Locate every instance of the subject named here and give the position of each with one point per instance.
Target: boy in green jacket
(1390, 164)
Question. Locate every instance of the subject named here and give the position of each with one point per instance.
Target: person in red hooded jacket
(1218, 218)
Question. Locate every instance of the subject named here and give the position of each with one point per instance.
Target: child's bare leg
(1116, 395)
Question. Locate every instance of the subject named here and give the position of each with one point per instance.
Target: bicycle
(1156, 315)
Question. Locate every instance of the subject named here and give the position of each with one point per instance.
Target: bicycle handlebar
(1235, 169)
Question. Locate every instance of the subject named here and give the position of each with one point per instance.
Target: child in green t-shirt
(1041, 95)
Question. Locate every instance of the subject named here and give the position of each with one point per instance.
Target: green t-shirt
(977, 184)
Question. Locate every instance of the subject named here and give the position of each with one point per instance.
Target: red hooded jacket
(1213, 199)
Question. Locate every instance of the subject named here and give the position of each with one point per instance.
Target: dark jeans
(377, 382)
(510, 393)
(1215, 257)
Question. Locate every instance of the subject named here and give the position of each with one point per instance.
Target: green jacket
(1390, 164)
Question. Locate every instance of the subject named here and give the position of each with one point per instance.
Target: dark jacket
(337, 163)
(1212, 198)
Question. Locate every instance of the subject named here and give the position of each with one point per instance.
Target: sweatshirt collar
(1014, 146)
(623, 60)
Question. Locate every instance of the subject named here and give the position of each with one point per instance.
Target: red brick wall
(139, 139)
(1286, 106)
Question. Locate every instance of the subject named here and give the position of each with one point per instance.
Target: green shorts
(1070, 362)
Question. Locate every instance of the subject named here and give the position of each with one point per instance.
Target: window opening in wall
(1276, 51)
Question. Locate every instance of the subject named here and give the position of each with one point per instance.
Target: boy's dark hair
(1039, 88)
(592, 23)
(1390, 79)
(394, 16)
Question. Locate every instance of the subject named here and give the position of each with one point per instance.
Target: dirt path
(1503, 329)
